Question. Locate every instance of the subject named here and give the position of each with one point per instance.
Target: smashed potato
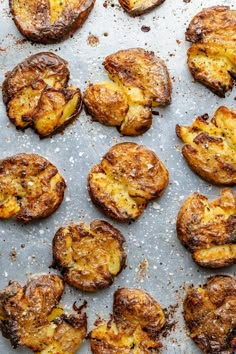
(30, 187)
(140, 81)
(210, 315)
(89, 257)
(136, 322)
(30, 317)
(212, 56)
(210, 147)
(49, 21)
(139, 7)
(128, 177)
(208, 229)
(36, 95)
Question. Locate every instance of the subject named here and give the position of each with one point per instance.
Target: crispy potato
(30, 317)
(89, 257)
(210, 147)
(128, 177)
(139, 7)
(212, 56)
(208, 229)
(36, 95)
(30, 187)
(140, 81)
(137, 321)
(49, 21)
(210, 315)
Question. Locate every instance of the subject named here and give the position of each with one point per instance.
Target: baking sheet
(156, 261)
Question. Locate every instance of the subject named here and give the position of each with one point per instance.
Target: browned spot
(142, 269)
(92, 40)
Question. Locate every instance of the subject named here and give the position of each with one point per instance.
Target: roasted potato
(210, 147)
(208, 229)
(139, 7)
(49, 21)
(30, 317)
(128, 177)
(36, 94)
(89, 257)
(140, 81)
(210, 315)
(136, 322)
(30, 187)
(212, 56)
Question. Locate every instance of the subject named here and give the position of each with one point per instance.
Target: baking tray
(156, 261)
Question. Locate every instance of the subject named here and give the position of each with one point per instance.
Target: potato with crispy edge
(210, 146)
(30, 187)
(210, 315)
(30, 317)
(139, 7)
(49, 21)
(140, 81)
(136, 323)
(36, 94)
(89, 257)
(128, 177)
(212, 56)
(208, 229)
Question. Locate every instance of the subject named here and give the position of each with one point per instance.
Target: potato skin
(152, 76)
(128, 177)
(209, 228)
(211, 59)
(36, 94)
(30, 187)
(27, 317)
(210, 146)
(38, 22)
(140, 81)
(136, 323)
(106, 103)
(137, 7)
(210, 314)
(33, 69)
(89, 257)
(136, 306)
(210, 22)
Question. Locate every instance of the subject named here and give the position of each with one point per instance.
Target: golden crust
(128, 177)
(141, 80)
(30, 317)
(212, 57)
(135, 326)
(139, 7)
(210, 146)
(30, 187)
(208, 229)
(49, 21)
(210, 315)
(36, 94)
(89, 257)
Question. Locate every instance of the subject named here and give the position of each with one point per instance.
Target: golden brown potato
(89, 257)
(49, 21)
(140, 81)
(136, 323)
(212, 56)
(210, 315)
(210, 147)
(208, 229)
(30, 187)
(30, 317)
(139, 7)
(36, 95)
(128, 177)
